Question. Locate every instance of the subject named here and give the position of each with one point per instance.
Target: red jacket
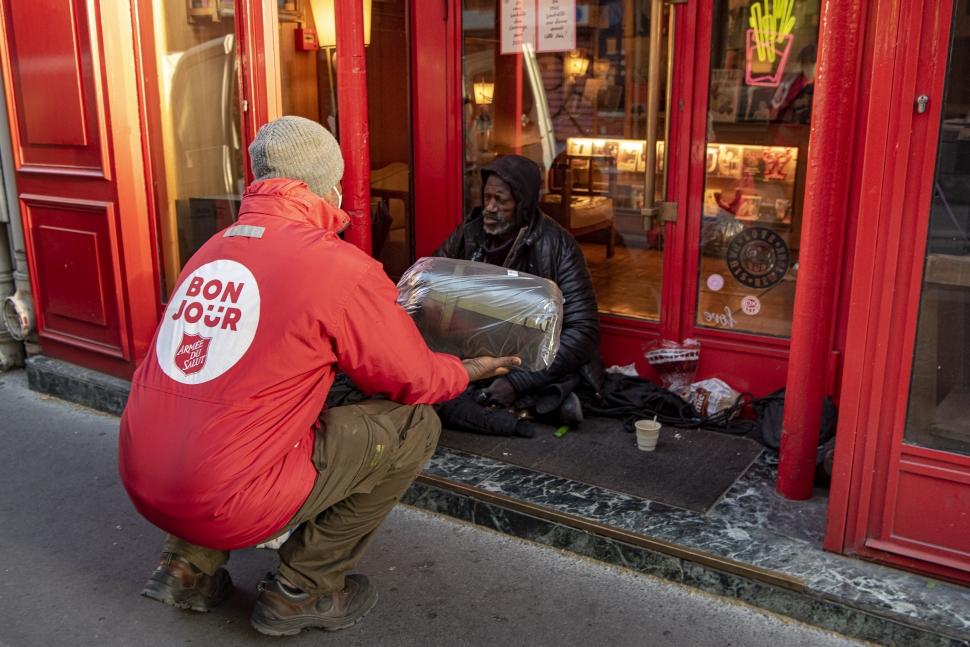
(217, 435)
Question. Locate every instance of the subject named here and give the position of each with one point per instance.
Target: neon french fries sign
(769, 42)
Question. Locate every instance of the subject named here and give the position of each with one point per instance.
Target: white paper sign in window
(556, 20)
(517, 23)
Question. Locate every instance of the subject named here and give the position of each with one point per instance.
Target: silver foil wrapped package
(474, 309)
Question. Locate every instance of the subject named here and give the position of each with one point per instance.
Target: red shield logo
(192, 353)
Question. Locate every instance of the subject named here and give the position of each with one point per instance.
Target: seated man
(223, 444)
(509, 230)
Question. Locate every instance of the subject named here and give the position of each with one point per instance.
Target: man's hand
(500, 392)
(483, 368)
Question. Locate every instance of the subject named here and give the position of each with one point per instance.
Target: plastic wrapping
(474, 309)
(711, 396)
(675, 364)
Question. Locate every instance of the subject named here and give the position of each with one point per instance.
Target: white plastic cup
(648, 431)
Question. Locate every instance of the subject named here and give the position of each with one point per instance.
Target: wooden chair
(580, 195)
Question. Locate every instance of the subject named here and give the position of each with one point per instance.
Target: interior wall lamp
(326, 22)
(484, 91)
(575, 64)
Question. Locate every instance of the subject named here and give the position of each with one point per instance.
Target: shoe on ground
(284, 611)
(571, 410)
(178, 583)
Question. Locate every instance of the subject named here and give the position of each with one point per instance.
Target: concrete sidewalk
(75, 555)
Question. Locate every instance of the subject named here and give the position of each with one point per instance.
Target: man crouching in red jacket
(223, 443)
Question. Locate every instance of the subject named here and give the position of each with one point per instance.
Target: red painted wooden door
(68, 72)
(902, 487)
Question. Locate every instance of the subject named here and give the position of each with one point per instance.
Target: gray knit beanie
(298, 149)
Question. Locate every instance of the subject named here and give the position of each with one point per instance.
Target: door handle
(663, 210)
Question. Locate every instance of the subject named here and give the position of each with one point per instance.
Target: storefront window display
(195, 127)
(565, 84)
(939, 399)
(759, 115)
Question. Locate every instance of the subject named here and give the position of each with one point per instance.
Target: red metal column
(352, 116)
(826, 203)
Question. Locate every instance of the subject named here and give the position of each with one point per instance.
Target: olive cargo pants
(366, 456)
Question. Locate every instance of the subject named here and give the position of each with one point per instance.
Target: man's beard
(499, 229)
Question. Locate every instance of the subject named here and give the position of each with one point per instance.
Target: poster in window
(725, 95)
(556, 21)
(517, 24)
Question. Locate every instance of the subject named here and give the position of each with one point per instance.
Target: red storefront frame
(751, 363)
(876, 371)
(876, 510)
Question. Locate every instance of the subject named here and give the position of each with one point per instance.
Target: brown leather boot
(283, 611)
(178, 583)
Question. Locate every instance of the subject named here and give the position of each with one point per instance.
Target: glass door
(910, 329)
(762, 73)
(565, 84)
(578, 101)
(193, 99)
(939, 392)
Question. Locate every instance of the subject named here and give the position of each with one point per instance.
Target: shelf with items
(753, 183)
(630, 160)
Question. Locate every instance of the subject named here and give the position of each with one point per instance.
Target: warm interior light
(326, 22)
(484, 90)
(576, 64)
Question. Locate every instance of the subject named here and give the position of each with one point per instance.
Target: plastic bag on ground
(675, 363)
(474, 309)
(711, 396)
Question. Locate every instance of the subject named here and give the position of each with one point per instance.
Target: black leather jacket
(546, 250)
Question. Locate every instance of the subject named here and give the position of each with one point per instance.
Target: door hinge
(668, 212)
(661, 212)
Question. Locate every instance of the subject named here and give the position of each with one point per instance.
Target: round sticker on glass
(750, 305)
(715, 282)
(210, 322)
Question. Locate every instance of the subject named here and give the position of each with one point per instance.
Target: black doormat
(691, 468)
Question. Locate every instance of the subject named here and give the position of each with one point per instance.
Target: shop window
(308, 82)
(763, 58)
(194, 125)
(939, 398)
(569, 92)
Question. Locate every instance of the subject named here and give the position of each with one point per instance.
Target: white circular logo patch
(210, 322)
(750, 305)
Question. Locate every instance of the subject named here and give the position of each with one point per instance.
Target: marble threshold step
(753, 545)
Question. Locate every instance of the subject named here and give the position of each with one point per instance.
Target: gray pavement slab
(74, 555)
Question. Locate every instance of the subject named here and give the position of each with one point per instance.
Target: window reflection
(197, 157)
(759, 115)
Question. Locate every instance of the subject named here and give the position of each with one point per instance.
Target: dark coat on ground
(545, 249)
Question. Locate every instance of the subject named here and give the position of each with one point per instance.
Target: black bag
(771, 414)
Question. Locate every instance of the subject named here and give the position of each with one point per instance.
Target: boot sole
(163, 592)
(272, 626)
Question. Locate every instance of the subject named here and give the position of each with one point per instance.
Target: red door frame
(749, 362)
(436, 123)
(895, 194)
